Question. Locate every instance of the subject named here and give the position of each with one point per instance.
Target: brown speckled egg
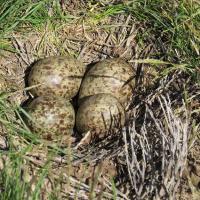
(56, 75)
(100, 112)
(113, 76)
(51, 116)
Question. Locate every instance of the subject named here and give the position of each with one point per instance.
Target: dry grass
(157, 154)
(147, 158)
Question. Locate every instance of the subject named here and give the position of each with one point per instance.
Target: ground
(157, 154)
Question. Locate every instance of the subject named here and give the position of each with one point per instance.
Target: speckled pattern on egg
(51, 116)
(56, 75)
(113, 76)
(100, 112)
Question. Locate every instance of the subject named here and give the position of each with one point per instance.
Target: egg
(56, 75)
(113, 76)
(100, 112)
(51, 116)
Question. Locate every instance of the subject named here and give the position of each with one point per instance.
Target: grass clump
(23, 15)
(10, 185)
(172, 27)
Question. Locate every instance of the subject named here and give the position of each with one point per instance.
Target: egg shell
(56, 75)
(51, 116)
(100, 112)
(113, 76)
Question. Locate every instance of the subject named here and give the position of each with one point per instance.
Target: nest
(144, 159)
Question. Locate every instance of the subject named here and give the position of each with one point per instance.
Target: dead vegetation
(150, 158)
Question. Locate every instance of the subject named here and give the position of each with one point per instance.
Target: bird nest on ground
(144, 159)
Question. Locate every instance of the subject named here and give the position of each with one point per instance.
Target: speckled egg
(56, 75)
(51, 116)
(99, 112)
(113, 76)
